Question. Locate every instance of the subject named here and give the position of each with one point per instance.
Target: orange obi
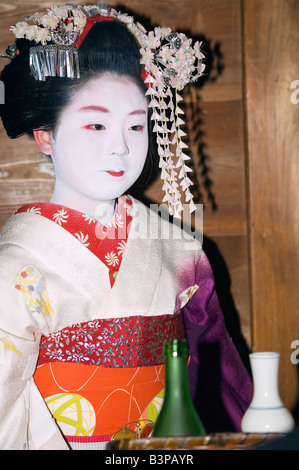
(99, 375)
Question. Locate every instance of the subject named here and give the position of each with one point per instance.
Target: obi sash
(99, 375)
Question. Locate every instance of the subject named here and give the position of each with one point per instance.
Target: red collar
(108, 244)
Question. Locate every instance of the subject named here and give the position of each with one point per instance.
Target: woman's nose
(118, 145)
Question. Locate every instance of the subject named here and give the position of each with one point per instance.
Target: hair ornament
(170, 61)
(10, 52)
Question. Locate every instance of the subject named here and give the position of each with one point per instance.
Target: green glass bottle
(178, 416)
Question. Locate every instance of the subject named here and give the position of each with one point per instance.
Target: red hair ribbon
(89, 24)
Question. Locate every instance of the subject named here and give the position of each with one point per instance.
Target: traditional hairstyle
(69, 45)
(32, 104)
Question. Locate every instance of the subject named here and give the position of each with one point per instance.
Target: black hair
(32, 104)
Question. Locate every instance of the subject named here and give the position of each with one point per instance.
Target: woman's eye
(137, 128)
(95, 127)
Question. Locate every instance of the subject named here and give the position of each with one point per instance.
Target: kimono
(84, 314)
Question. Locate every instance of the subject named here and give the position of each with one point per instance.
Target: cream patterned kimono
(57, 304)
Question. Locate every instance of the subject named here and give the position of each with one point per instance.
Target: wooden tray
(217, 441)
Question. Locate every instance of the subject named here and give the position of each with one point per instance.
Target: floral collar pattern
(107, 243)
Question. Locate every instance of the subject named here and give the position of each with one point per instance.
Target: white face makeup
(100, 144)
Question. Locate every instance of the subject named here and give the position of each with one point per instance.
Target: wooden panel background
(227, 181)
(271, 65)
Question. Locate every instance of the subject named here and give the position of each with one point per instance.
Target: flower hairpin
(171, 61)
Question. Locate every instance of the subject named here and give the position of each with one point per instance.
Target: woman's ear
(43, 140)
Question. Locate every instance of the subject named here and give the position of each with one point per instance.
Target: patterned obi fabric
(134, 341)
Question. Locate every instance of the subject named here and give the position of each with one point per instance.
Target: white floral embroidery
(129, 209)
(35, 210)
(121, 248)
(83, 239)
(112, 259)
(117, 221)
(60, 216)
(88, 218)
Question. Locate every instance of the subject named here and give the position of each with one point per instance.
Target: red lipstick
(116, 173)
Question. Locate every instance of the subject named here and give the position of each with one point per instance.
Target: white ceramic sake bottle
(266, 413)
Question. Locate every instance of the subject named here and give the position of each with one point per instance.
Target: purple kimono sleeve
(220, 386)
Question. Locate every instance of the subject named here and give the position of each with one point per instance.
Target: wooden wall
(272, 124)
(244, 145)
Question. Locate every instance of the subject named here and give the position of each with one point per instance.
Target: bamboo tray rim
(214, 441)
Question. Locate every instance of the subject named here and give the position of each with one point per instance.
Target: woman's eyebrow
(95, 108)
(138, 111)
(102, 109)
